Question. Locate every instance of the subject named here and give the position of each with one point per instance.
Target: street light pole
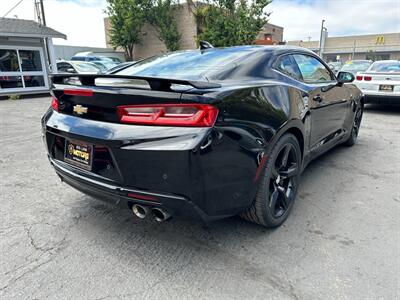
(320, 38)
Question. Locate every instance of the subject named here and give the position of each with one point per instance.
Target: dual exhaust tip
(142, 212)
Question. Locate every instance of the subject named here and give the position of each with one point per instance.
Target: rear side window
(312, 70)
(288, 66)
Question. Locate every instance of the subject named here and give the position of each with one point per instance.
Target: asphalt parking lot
(342, 240)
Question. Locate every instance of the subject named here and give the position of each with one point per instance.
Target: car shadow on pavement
(230, 231)
(227, 230)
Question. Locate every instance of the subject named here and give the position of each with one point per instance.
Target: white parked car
(380, 83)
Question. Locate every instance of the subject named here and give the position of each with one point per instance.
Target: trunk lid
(388, 76)
(97, 97)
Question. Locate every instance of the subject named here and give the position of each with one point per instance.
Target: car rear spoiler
(161, 84)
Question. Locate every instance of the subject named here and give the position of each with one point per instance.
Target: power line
(19, 2)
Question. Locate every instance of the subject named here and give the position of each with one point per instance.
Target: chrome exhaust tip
(140, 211)
(160, 215)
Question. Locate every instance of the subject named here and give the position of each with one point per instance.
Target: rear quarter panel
(250, 121)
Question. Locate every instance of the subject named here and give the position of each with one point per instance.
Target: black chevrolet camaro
(201, 134)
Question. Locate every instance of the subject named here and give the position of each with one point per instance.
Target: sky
(82, 20)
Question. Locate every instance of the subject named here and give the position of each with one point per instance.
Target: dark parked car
(201, 134)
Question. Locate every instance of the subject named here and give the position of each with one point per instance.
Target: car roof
(259, 48)
(240, 61)
(84, 54)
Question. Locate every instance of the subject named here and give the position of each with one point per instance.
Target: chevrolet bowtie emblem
(79, 109)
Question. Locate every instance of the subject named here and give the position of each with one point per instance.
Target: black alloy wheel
(283, 181)
(355, 129)
(278, 185)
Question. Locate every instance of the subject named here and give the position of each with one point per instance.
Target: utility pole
(51, 57)
(42, 13)
(320, 38)
(39, 9)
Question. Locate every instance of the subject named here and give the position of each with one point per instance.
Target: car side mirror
(71, 70)
(345, 77)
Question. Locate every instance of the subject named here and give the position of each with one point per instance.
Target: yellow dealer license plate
(78, 154)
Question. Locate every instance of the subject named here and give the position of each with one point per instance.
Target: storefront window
(10, 82)
(8, 61)
(22, 69)
(30, 60)
(32, 81)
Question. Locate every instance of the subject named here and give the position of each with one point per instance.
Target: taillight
(191, 115)
(78, 92)
(54, 103)
(358, 77)
(367, 78)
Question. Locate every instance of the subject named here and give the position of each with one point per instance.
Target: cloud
(80, 20)
(302, 19)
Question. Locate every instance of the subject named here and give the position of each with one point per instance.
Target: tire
(355, 127)
(278, 184)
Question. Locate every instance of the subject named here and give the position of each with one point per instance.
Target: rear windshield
(381, 66)
(194, 65)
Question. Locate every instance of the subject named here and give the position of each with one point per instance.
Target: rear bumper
(372, 94)
(382, 99)
(176, 205)
(195, 173)
(373, 88)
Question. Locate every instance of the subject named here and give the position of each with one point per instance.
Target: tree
(161, 15)
(231, 22)
(126, 19)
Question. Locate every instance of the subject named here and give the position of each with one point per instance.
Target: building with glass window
(380, 46)
(24, 57)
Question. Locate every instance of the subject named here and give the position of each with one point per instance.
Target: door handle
(318, 98)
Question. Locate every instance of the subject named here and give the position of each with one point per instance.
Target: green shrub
(14, 97)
